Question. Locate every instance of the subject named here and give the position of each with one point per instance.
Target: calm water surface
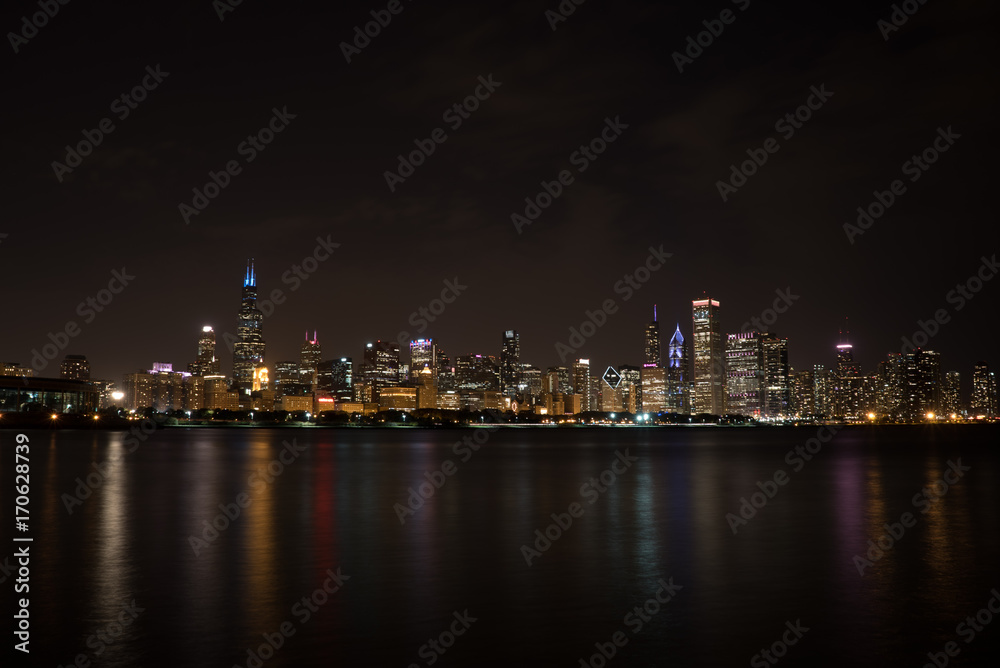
(332, 509)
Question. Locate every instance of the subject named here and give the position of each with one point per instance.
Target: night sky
(323, 175)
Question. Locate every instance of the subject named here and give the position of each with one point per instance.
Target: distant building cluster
(708, 373)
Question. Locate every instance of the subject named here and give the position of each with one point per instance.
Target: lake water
(133, 576)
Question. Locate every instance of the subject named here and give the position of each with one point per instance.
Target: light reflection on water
(333, 507)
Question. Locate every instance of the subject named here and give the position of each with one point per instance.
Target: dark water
(331, 509)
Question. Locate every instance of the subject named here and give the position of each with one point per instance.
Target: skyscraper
(652, 354)
(510, 363)
(206, 363)
(984, 391)
(777, 399)
(847, 382)
(678, 400)
(951, 394)
(709, 360)
(248, 351)
(381, 366)
(745, 374)
(310, 355)
(423, 354)
(653, 388)
(581, 382)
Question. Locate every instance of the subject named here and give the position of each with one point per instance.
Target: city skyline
(748, 397)
(322, 175)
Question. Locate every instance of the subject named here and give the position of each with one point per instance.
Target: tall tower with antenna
(248, 351)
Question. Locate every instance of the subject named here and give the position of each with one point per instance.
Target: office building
(510, 363)
(745, 374)
(708, 395)
(248, 350)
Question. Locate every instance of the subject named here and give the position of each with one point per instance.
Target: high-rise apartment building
(847, 384)
(75, 367)
(951, 394)
(709, 358)
(984, 391)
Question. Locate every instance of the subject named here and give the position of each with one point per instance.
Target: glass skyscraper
(248, 351)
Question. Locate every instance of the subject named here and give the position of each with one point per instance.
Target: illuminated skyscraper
(653, 388)
(248, 351)
(745, 374)
(631, 388)
(678, 396)
(709, 359)
(207, 364)
(310, 355)
(423, 354)
(652, 354)
(822, 391)
(510, 363)
(847, 383)
(984, 391)
(477, 372)
(951, 394)
(777, 398)
(581, 382)
(381, 366)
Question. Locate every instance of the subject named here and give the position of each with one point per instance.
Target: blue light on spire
(250, 278)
